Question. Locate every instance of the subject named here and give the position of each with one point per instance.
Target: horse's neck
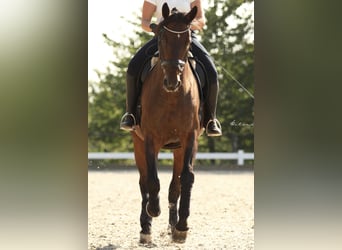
(187, 78)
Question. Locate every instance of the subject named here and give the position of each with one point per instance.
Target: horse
(170, 118)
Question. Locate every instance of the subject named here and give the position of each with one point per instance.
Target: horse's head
(174, 38)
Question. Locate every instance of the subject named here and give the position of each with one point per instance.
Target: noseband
(175, 63)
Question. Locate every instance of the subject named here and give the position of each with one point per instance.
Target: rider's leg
(212, 125)
(128, 121)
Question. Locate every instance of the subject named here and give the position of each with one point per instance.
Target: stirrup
(134, 121)
(218, 123)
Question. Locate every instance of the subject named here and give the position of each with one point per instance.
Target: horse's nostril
(171, 86)
(166, 82)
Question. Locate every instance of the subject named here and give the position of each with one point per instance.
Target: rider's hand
(153, 27)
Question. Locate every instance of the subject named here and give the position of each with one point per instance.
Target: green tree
(226, 38)
(106, 98)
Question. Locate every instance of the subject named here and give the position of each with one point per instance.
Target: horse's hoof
(170, 229)
(152, 213)
(145, 238)
(179, 236)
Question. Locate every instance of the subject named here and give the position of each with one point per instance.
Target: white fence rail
(240, 156)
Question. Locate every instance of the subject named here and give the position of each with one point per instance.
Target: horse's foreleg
(186, 180)
(145, 220)
(175, 189)
(153, 185)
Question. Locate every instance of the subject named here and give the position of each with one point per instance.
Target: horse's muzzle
(172, 85)
(172, 71)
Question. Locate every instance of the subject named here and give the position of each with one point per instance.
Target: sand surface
(221, 211)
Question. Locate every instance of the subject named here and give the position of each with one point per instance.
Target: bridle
(176, 32)
(174, 62)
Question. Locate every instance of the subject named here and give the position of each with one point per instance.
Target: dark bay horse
(170, 105)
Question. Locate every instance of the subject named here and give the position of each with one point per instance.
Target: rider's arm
(147, 13)
(199, 21)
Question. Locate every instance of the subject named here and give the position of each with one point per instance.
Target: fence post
(241, 159)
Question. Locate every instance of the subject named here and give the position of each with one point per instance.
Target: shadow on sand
(109, 247)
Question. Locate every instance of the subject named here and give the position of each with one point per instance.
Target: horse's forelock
(174, 10)
(174, 17)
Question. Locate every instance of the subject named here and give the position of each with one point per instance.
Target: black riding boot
(213, 126)
(128, 120)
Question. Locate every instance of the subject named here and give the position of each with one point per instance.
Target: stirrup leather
(213, 120)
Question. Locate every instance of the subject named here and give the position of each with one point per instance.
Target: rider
(154, 7)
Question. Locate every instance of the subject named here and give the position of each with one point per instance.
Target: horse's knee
(153, 187)
(153, 208)
(174, 191)
(187, 179)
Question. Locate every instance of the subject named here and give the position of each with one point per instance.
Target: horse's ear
(191, 15)
(165, 10)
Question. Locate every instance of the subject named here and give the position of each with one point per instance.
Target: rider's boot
(213, 126)
(128, 120)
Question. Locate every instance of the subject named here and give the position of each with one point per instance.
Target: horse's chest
(169, 115)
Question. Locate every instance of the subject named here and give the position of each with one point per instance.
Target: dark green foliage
(234, 59)
(233, 53)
